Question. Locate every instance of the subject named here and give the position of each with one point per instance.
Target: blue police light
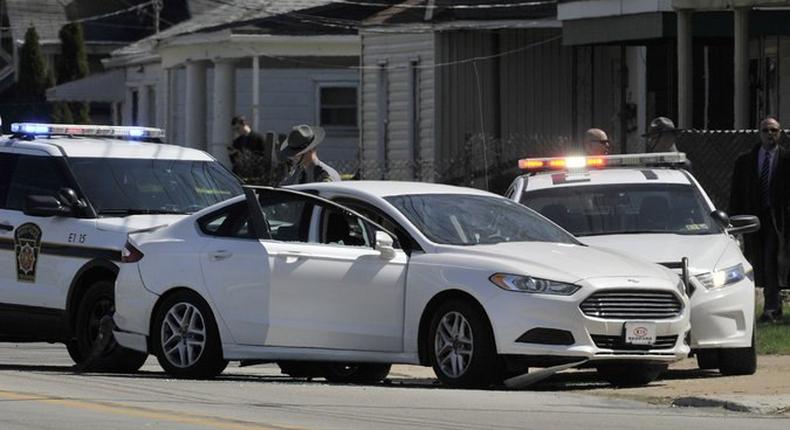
(29, 128)
(136, 132)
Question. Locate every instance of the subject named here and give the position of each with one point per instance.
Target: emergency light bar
(87, 130)
(601, 161)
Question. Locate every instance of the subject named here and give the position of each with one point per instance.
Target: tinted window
(340, 227)
(459, 219)
(118, 186)
(232, 221)
(288, 215)
(377, 216)
(624, 209)
(7, 164)
(35, 176)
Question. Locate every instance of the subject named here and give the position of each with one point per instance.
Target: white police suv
(69, 195)
(648, 206)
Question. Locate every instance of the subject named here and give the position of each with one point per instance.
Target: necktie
(765, 180)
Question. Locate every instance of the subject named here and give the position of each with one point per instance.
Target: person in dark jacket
(300, 149)
(759, 187)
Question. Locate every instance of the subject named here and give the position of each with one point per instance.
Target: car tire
(631, 374)
(98, 302)
(738, 361)
(707, 359)
(458, 326)
(185, 338)
(359, 373)
(301, 369)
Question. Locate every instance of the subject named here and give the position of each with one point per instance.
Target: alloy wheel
(183, 335)
(453, 344)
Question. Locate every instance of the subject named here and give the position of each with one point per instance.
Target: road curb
(754, 405)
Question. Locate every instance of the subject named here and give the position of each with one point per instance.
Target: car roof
(89, 147)
(383, 189)
(641, 175)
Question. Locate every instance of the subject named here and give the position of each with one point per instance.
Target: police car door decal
(27, 245)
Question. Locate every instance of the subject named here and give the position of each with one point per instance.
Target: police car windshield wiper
(139, 212)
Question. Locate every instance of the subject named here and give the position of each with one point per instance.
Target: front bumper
(512, 314)
(722, 317)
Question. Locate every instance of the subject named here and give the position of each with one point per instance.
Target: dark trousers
(769, 253)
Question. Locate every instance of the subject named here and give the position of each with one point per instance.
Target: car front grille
(618, 343)
(632, 304)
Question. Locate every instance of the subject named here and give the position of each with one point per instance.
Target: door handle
(220, 255)
(6, 227)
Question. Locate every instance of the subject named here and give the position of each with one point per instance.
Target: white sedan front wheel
(185, 337)
(462, 350)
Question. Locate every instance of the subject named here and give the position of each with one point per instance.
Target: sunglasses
(770, 130)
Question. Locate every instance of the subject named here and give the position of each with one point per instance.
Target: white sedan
(374, 273)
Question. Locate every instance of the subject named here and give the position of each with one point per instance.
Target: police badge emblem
(27, 245)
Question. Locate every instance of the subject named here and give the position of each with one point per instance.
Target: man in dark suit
(759, 185)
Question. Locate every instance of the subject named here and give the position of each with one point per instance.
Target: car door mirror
(70, 198)
(743, 224)
(384, 245)
(721, 217)
(42, 205)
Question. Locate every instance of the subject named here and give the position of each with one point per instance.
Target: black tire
(738, 361)
(359, 373)
(631, 374)
(707, 359)
(99, 301)
(204, 359)
(301, 369)
(481, 367)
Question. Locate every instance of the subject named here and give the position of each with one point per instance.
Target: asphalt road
(38, 390)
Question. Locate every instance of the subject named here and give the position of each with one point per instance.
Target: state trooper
(300, 149)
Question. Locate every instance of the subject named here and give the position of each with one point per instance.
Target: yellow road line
(139, 412)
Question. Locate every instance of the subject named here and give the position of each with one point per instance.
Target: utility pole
(158, 5)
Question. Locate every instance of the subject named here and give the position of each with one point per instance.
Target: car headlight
(724, 277)
(528, 284)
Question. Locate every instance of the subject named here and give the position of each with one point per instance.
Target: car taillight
(130, 254)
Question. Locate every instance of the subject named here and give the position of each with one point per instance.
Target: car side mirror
(384, 245)
(70, 198)
(743, 224)
(42, 205)
(721, 217)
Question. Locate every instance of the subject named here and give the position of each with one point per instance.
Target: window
(340, 227)
(35, 176)
(7, 164)
(231, 221)
(287, 214)
(403, 239)
(338, 106)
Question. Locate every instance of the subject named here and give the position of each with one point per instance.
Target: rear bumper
(134, 341)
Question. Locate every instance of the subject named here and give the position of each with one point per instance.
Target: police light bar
(30, 128)
(601, 161)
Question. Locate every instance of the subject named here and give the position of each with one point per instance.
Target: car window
(34, 175)
(287, 214)
(402, 241)
(7, 164)
(341, 227)
(624, 209)
(231, 221)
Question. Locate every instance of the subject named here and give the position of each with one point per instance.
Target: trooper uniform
(302, 139)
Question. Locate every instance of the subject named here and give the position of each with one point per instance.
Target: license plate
(640, 333)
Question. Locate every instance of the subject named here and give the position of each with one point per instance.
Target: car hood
(703, 251)
(563, 262)
(134, 223)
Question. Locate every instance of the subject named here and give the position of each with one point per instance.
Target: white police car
(69, 194)
(648, 206)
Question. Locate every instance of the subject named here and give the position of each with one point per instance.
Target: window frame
(320, 85)
(69, 181)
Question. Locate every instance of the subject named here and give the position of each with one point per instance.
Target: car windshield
(120, 186)
(461, 219)
(624, 209)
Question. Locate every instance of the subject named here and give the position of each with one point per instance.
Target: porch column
(256, 89)
(224, 104)
(685, 65)
(143, 106)
(128, 105)
(741, 101)
(195, 121)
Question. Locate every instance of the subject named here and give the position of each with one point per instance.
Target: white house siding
(407, 154)
(287, 97)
